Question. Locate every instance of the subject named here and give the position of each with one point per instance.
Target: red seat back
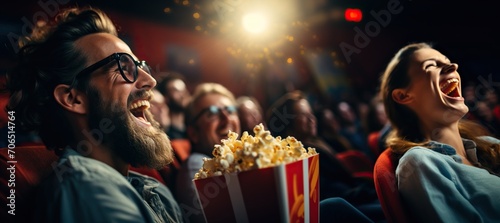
(182, 150)
(149, 172)
(387, 189)
(358, 163)
(4, 100)
(373, 143)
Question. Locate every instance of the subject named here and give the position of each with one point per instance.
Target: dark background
(465, 31)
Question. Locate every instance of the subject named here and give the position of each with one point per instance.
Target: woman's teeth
(449, 85)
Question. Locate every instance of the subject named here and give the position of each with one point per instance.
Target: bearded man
(83, 90)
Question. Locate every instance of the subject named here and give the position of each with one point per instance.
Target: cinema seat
(358, 163)
(387, 188)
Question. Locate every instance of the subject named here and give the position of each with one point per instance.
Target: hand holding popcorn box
(259, 179)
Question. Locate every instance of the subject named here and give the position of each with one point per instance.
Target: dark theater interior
(333, 52)
(214, 46)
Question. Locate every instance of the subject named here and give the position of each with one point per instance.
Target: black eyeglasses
(126, 64)
(214, 112)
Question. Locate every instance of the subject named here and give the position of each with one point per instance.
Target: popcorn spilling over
(252, 152)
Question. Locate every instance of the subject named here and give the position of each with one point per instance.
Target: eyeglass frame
(219, 111)
(116, 57)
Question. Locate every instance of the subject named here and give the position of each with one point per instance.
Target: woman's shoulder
(419, 151)
(418, 156)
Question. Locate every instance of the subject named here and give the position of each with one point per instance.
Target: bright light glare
(254, 23)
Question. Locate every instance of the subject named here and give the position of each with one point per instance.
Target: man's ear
(72, 100)
(401, 96)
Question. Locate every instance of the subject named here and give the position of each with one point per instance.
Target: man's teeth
(139, 104)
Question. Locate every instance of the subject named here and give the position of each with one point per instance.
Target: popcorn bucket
(283, 193)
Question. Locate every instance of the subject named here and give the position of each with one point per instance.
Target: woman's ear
(401, 96)
(72, 100)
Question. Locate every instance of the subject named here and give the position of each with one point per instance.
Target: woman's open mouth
(449, 87)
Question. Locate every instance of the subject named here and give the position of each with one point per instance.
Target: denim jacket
(437, 187)
(87, 190)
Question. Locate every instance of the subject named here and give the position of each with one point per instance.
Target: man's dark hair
(49, 57)
(276, 116)
(170, 76)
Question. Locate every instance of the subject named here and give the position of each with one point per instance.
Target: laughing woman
(449, 168)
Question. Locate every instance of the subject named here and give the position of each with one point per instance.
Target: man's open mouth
(137, 109)
(449, 87)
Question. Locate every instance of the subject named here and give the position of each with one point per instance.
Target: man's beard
(136, 145)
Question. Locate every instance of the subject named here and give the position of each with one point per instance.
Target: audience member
(376, 118)
(210, 115)
(377, 126)
(159, 109)
(250, 113)
(352, 129)
(491, 99)
(484, 115)
(449, 168)
(87, 95)
(328, 130)
(177, 96)
(291, 115)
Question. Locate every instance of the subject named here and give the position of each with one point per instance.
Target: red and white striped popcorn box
(284, 193)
